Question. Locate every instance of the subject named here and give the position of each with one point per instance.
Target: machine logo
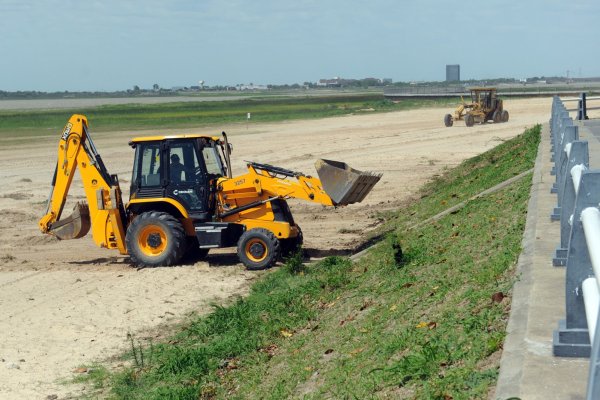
(187, 191)
(66, 132)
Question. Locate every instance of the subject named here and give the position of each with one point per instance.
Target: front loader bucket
(75, 225)
(343, 184)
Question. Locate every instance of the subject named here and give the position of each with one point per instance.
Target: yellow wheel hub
(152, 240)
(256, 250)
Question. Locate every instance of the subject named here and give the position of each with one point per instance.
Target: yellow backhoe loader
(484, 106)
(183, 198)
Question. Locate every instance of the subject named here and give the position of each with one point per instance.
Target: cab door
(148, 172)
(187, 179)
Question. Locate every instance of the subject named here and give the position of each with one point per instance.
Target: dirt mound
(39, 239)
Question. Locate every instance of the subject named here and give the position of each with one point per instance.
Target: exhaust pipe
(345, 185)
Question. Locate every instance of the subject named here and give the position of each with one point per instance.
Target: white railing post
(593, 386)
(590, 218)
(564, 163)
(578, 155)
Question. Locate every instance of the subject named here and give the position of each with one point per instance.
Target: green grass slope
(422, 316)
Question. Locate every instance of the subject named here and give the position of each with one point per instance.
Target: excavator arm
(252, 196)
(265, 181)
(104, 211)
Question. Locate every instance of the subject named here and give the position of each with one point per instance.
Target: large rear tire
(448, 120)
(155, 239)
(504, 116)
(469, 120)
(258, 249)
(497, 116)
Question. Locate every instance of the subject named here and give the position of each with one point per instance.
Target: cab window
(212, 160)
(183, 162)
(149, 165)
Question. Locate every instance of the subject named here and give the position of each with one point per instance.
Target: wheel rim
(256, 250)
(152, 240)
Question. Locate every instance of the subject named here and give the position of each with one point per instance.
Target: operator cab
(183, 168)
(485, 96)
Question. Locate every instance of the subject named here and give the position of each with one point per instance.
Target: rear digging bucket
(343, 184)
(74, 226)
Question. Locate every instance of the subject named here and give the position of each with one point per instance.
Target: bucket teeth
(75, 226)
(345, 185)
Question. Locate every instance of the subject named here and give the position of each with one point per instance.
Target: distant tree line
(156, 90)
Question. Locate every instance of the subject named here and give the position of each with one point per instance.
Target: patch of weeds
(347, 230)
(140, 360)
(95, 374)
(333, 271)
(421, 363)
(294, 264)
(393, 243)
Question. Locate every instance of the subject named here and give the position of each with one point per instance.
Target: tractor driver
(177, 168)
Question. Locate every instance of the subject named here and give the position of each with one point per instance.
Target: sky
(93, 45)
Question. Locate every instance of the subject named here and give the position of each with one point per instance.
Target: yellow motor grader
(484, 106)
(183, 198)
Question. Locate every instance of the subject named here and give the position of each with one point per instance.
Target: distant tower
(453, 73)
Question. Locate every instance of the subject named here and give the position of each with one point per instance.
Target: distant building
(335, 82)
(452, 73)
(252, 86)
(342, 82)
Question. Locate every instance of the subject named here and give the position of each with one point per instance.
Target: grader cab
(484, 106)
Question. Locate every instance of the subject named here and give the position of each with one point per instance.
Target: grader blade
(75, 225)
(343, 184)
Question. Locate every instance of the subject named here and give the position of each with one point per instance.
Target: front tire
(155, 239)
(448, 120)
(469, 120)
(258, 249)
(504, 116)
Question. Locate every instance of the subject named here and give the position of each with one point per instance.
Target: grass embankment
(426, 322)
(201, 113)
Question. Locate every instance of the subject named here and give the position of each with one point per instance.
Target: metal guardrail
(582, 107)
(578, 193)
